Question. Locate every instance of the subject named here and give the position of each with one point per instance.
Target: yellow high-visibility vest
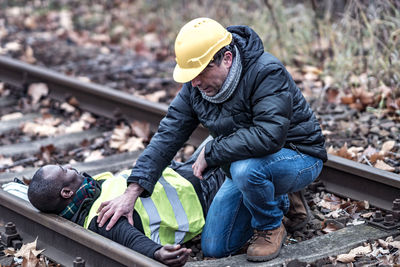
(172, 215)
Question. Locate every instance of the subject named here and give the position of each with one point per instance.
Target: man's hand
(172, 255)
(199, 165)
(120, 206)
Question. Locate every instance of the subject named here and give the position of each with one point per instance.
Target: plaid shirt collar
(87, 189)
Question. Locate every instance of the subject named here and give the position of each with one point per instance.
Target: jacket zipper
(294, 148)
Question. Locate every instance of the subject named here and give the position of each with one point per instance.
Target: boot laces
(266, 234)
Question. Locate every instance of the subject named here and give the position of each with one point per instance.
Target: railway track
(340, 176)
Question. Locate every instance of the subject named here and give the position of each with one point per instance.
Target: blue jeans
(255, 198)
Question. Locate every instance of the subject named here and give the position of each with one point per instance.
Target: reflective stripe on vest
(173, 213)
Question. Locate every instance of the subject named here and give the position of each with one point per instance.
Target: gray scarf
(230, 82)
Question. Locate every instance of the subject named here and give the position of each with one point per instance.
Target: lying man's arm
(128, 236)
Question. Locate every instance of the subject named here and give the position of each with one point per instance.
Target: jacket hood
(249, 43)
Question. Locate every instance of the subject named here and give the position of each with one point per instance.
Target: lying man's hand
(120, 206)
(172, 255)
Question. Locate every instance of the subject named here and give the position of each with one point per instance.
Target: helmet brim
(184, 75)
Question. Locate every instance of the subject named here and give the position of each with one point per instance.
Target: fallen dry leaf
(28, 56)
(30, 23)
(332, 95)
(347, 99)
(310, 76)
(375, 157)
(67, 107)
(356, 222)
(11, 116)
(367, 215)
(37, 91)
(379, 252)
(334, 214)
(354, 207)
(46, 152)
(75, 127)
(355, 150)
(329, 227)
(369, 151)
(28, 248)
(330, 202)
(84, 79)
(357, 105)
(155, 97)
(358, 251)
(13, 46)
(45, 126)
(361, 250)
(73, 101)
(344, 152)
(395, 244)
(132, 144)
(367, 98)
(141, 129)
(346, 258)
(66, 19)
(388, 146)
(9, 251)
(121, 132)
(39, 129)
(331, 150)
(5, 161)
(383, 243)
(380, 164)
(17, 168)
(119, 136)
(30, 261)
(311, 69)
(87, 117)
(94, 155)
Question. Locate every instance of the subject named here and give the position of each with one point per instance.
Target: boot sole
(268, 257)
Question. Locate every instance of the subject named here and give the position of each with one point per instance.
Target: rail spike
(79, 262)
(391, 220)
(10, 236)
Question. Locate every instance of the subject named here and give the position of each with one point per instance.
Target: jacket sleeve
(127, 235)
(271, 107)
(174, 130)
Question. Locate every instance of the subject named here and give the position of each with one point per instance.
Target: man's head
(204, 53)
(53, 187)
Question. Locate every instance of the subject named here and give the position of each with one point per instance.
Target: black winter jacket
(266, 112)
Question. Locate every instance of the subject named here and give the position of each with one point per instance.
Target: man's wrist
(156, 254)
(134, 188)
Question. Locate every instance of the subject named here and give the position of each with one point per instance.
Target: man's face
(65, 174)
(210, 80)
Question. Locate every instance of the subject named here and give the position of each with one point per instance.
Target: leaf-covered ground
(354, 125)
(134, 54)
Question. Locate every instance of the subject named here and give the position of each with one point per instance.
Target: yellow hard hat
(196, 44)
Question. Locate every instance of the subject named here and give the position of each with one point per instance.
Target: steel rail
(348, 178)
(340, 176)
(92, 97)
(63, 240)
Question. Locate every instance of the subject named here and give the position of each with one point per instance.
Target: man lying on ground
(172, 215)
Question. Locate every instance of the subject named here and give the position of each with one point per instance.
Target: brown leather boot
(299, 213)
(266, 244)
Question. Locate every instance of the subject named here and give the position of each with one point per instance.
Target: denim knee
(245, 176)
(211, 248)
(239, 171)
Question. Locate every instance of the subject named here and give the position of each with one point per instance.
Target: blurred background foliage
(352, 43)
